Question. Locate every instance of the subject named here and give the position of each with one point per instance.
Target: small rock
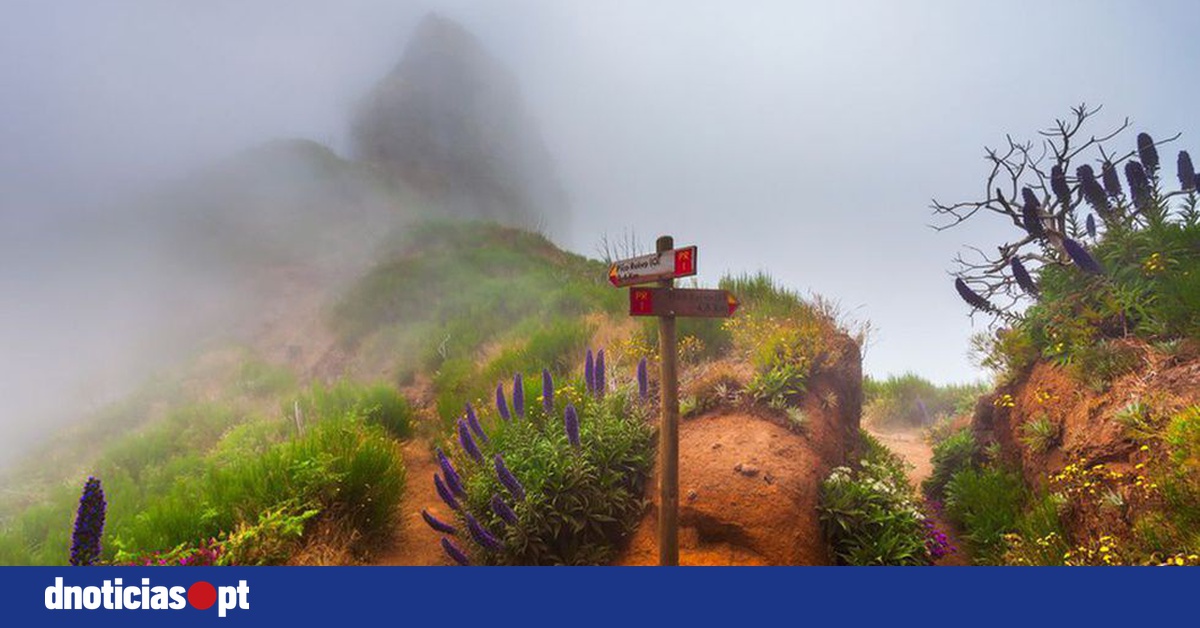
(746, 469)
(768, 478)
(692, 495)
(716, 445)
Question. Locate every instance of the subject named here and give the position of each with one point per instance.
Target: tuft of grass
(1040, 434)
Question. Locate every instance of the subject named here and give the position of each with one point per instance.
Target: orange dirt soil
(415, 542)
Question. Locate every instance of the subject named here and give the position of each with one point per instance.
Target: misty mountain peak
(450, 121)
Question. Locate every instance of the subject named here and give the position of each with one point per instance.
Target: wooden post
(668, 433)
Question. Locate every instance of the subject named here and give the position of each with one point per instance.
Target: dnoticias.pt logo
(116, 595)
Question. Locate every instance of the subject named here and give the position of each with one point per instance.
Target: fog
(801, 138)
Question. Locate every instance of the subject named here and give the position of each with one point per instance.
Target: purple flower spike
(1187, 172)
(509, 480)
(453, 479)
(1023, 278)
(643, 380)
(445, 493)
(89, 525)
(547, 392)
(484, 538)
(473, 423)
(1093, 192)
(454, 552)
(501, 404)
(468, 443)
(1147, 153)
(1091, 226)
(1058, 183)
(1082, 258)
(1112, 182)
(589, 372)
(503, 510)
(601, 380)
(438, 524)
(518, 395)
(972, 299)
(571, 420)
(1031, 216)
(1139, 184)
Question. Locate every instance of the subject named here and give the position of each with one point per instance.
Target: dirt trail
(911, 446)
(416, 543)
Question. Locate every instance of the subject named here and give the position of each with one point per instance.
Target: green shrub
(955, 453)
(869, 514)
(580, 503)
(986, 505)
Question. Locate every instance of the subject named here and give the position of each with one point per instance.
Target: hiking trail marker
(667, 302)
(667, 264)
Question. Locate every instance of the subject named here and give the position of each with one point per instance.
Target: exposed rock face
(450, 121)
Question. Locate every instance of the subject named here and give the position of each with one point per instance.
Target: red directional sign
(681, 302)
(654, 267)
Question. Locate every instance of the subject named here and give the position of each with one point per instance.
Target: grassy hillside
(237, 460)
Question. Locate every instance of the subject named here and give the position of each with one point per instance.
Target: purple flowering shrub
(1091, 260)
(555, 478)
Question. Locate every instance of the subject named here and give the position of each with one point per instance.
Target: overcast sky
(801, 138)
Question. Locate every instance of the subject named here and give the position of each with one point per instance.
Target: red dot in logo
(202, 595)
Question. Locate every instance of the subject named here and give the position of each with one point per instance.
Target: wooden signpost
(666, 302)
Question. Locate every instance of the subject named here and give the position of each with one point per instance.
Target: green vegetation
(985, 504)
(870, 515)
(377, 404)
(911, 400)
(574, 503)
(957, 452)
(342, 468)
(213, 470)
(781, 335)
